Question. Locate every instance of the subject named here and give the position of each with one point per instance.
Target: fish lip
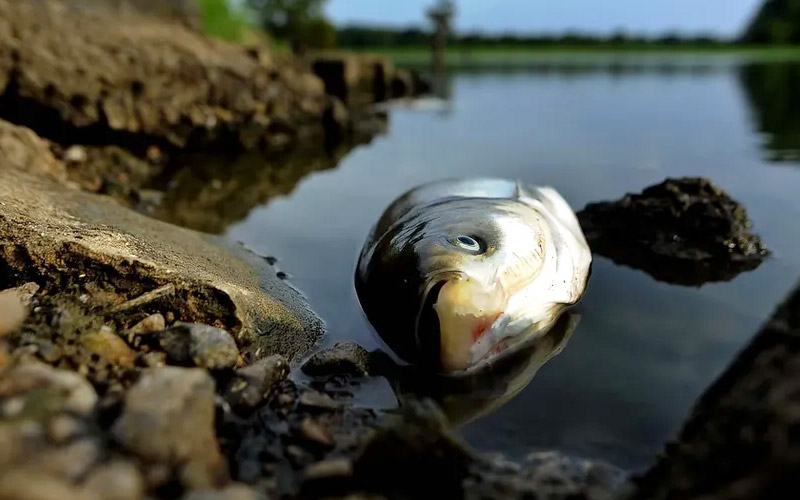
(518, 333)
(434, 282)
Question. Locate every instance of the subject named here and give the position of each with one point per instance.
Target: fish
(458, 273)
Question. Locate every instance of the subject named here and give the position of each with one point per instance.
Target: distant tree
(296, 21)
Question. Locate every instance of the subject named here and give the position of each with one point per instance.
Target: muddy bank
(685, 231)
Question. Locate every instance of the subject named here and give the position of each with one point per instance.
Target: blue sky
(723, 17)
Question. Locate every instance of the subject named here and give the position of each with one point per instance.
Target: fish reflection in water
(474, 393)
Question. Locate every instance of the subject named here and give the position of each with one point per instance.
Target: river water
(644, 350)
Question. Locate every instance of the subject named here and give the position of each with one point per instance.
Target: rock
(685, 231)
(53, 230)
(402, 84)
(346, 358)
(75, 154)
(14, 307)
(318, 400)
(151, 324)
(315, 432)
(200, 345)
(251, 383)
(333, 467)
(109, 346)
(117, 480)
(40, 391)
(230, 492)
(27, 484)
(169, 417)
(62, 428)
(72, 461)
(740, 440)
(421, 447)
(547, 476)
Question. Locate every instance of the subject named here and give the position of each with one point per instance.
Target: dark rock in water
(685, 231)
(346, 358)
(169, 418)
(416, 458)
(741, 441)
(252, 383)
(200, 345)
(546, 476)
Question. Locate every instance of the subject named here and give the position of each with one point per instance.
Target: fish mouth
(460, 322)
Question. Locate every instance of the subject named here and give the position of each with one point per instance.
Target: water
(644, 350)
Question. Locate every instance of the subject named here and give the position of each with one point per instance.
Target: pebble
(230, 492)
(314, 399)
(151, 324)
(169, 417)
(343, 358)
(116, 480)
(109, 346)
(12, 311)
(69, 391)
(200, 345)
(251, 383)
(333, 467)
(315, 432)
(75, 154)
(62, 428)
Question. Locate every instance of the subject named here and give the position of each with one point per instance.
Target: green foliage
(299, 22)
(777, 22)
(221, 21)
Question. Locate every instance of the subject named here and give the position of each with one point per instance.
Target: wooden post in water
(440, 16)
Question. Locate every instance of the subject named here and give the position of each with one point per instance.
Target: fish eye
(468, 243)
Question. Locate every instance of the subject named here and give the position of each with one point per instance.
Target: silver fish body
(457, 272)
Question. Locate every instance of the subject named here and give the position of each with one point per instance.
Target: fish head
(470, 270)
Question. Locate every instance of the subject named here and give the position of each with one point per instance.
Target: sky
(722, 17)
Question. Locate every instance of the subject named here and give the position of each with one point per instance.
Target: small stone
(346, 358)
(62, 428)
(169, 417)
(315, 432)
(72, 461)
(233, 491)
(285, 399)
(45, 390)
(109, 346)
(314, 399)
(155, 359)
(27, 484)
(251, 383)
(200, 345)
(12, 311)
(117, 480)
(75, 154)
(334, 467)
(151, 324)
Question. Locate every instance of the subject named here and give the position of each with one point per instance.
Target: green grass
(511, 56)
(221, 21)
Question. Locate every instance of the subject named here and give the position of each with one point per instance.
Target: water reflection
(209, 193)
(773, 93)
(467, 397)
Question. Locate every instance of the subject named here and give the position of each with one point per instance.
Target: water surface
(644, 350)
